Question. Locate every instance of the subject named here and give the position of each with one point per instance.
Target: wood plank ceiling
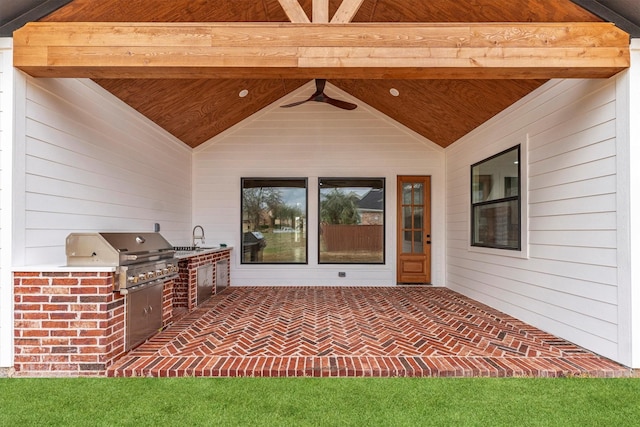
(442, 110)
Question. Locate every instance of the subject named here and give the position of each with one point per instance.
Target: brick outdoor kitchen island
(70, 322)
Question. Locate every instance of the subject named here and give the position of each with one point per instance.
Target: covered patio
(130, 116)
(355, 331)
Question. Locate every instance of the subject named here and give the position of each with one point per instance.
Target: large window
(274, 220)
(495, 201)
(351, 212)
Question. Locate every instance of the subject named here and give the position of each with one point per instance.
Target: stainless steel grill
(141, 259)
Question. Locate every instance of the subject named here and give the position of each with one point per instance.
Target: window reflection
(352, 212)
(495, 200)
(274, 220)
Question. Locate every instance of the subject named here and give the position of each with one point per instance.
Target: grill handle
(129, 290)
(148, 257)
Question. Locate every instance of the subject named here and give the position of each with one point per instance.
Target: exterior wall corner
(632, 89)
(6, 157)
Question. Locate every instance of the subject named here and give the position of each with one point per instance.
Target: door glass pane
(406, 217)
(406, 242)
(406, 194)
(417, 242)
(417, 217)
(417, 194)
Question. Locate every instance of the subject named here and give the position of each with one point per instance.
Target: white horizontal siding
(314, 140)
(551, 314)
(458, 253)
(578, 205)
(568, 285)
(92, 163)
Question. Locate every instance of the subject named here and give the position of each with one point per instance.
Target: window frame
(518, 198)
(305, 186)
(355, 180)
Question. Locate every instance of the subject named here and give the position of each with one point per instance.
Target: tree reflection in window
(351, 212)
(274, 220)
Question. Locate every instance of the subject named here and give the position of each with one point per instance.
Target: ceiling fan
(319, 96)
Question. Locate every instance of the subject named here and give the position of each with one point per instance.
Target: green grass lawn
(284, 247)
(291, 247)
(319, 402)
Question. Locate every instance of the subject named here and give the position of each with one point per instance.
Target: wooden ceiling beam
(320, 12)
(346, 11)
(294, 11)
(371, 50)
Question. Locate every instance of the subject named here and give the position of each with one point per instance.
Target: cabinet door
(154, 317)
(204, 279)
(144, 314)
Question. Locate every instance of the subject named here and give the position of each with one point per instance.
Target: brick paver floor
(355, 331)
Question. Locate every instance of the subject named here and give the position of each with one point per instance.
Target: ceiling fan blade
(340, 104)
(319, 96)
(319, 89)
(293, 104)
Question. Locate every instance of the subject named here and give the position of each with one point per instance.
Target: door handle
(428, 239)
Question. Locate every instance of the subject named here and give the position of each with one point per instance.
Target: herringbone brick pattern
(333, 331)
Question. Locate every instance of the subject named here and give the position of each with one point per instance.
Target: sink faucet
(199, 237)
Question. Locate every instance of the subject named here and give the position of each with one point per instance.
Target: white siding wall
(568, 285)
(92, 163)
(6, 137)
(313, 140)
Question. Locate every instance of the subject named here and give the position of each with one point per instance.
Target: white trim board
(634, 199)
(6, 196)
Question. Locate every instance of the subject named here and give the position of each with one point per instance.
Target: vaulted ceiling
(442, 110)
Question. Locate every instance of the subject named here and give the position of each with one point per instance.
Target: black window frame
(517, 198)
(348, 182)
(278, 181)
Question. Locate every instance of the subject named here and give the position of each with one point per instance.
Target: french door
(414, 229)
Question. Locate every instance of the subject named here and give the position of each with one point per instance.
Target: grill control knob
(150, 275)
(165, 271)
(142, 276)
(158, 273)
(133, 279)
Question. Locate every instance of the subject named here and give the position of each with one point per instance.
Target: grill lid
(116, 249)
